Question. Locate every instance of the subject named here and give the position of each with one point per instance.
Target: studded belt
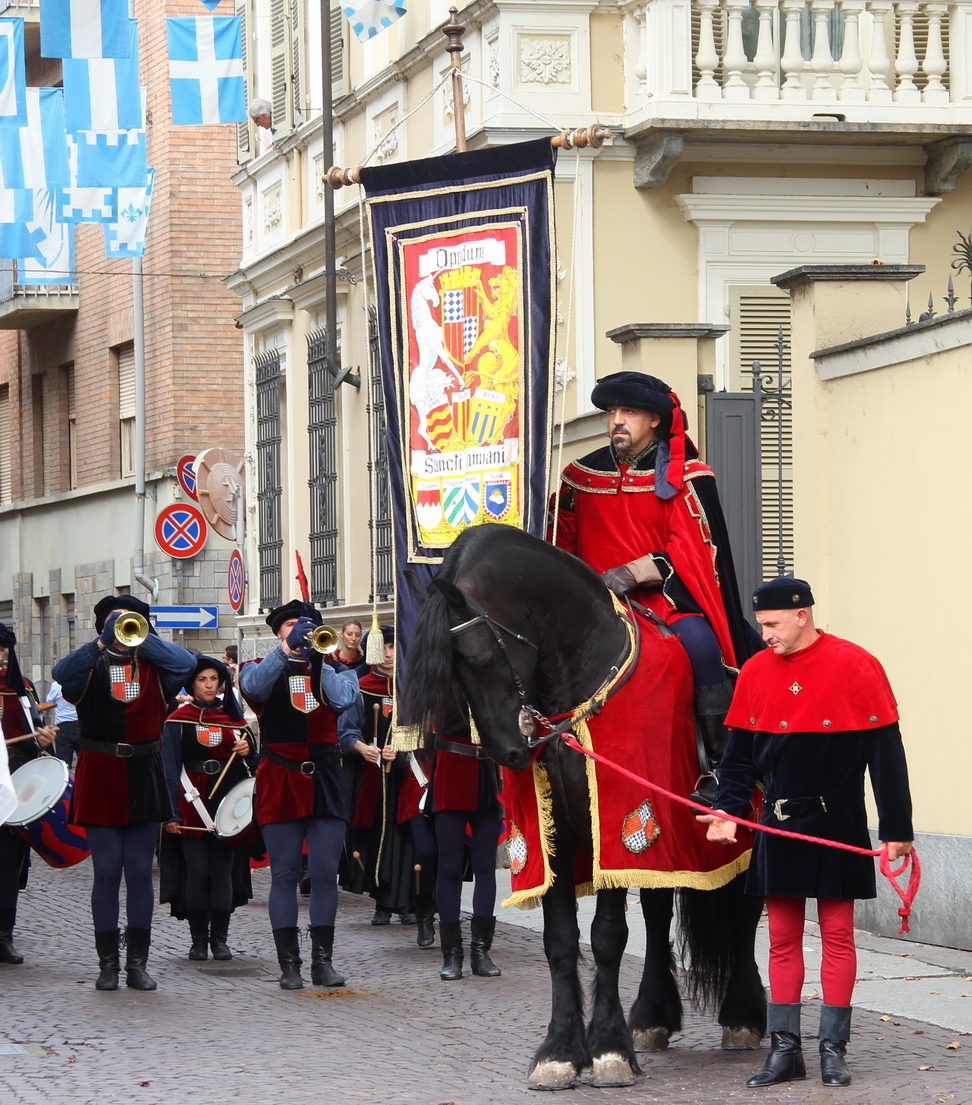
(125, 751)
(785, 808)
(319, 755)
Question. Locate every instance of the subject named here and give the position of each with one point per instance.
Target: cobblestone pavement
(222, 1032)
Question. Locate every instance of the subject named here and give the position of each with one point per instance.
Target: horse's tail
(428, 683)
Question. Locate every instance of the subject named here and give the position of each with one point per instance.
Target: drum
(44, 787)
(236, 818)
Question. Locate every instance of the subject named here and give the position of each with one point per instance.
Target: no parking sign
(181, 530)
(236, 581)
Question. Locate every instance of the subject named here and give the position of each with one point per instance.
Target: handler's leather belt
(475, 751)
(125, 751)
(785, 808)
(210, 767)
(319, 754)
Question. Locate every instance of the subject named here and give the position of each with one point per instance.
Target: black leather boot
(834, 1034)
(425, 919)
(482, 929)
(450, 937)
(137, 941)
(199, 932)
(322, 945)
(288, 956)
(711, 706)
(219, 933)
(785, 1060)
(106, 944)
(381, 916)
(8, 953)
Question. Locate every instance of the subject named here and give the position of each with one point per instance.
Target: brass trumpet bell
(323, 638)
(131, 629)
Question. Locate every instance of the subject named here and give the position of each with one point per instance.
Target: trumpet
(323, 638)
(131, 629)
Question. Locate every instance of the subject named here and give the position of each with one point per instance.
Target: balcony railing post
(765, 60)
(934, 65)
(878, 61)
(793, 61)
(707, 58)
(906, 62)
(734, 60)
(822, 62)
(851, 62)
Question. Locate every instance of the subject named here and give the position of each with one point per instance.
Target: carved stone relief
(545, 60)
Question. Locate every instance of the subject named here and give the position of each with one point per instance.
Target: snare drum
(44, 787)
(236, 818)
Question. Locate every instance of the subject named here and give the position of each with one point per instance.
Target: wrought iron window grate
(270, 490)
(381, 526)
(323, 482)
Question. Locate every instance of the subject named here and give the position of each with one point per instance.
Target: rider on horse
(644, 512)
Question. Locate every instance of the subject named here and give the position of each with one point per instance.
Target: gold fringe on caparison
(530, 897)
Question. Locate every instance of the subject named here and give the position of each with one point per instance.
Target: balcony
(24, 306)
(821, 71)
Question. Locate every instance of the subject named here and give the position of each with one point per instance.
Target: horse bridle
(529, 715)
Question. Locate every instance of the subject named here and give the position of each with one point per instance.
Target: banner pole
(138, 311)
(330, 244)
(454, 31)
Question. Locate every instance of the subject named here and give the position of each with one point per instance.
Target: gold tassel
(375, 649)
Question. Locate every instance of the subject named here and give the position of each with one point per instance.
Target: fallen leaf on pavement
(926, 1068)
(918, 1032)
(885, 1017)
(954, 1045)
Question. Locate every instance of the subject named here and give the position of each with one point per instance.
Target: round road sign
(181, 530)
(186, 472)
(236, 581)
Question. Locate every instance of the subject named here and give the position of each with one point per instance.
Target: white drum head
(39, 786)
(235, 813)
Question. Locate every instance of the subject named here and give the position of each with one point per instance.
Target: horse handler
(809, 714)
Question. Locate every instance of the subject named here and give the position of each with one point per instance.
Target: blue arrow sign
(185, 617)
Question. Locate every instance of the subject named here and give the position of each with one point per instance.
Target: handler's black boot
(785, 1060)
(482, 940)
(106, 944)
(450, 937)
(834, 1034)
(711, 706)
(322, 945)
(199, 932)
(425, 918)
(138, 941)
(8, 953)
(219, 933)
(288, 956)
(381, 916)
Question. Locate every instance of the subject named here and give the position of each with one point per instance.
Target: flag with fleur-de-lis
(126, 236)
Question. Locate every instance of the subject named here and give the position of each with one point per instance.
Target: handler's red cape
(640, 838)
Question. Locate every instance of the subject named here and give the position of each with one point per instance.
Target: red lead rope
(906, 894)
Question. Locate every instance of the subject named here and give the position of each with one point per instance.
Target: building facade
(67, 379)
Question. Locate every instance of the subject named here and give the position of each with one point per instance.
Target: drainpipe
(138, 308)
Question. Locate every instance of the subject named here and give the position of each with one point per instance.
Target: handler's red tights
(838, 970)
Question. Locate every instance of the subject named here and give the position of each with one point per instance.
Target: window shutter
(279, 66)
(296, 60)
(5, 472)
(338, 52)
(243, 143)
(126, 381)
(757, 315)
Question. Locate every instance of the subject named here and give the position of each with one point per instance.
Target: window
(269, 478)
(70, 437)
(125, 357)
(37, 433)
(243, 146)
(381, 527)
(6, 494)
(69, 623)
(322, 435)
(44, 618)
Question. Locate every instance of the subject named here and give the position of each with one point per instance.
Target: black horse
(527, 629)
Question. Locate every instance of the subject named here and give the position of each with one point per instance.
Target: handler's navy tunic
(807, 726)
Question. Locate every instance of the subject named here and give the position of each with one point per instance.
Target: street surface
(225, 1032)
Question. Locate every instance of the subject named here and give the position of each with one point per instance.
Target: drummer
(301, 793)
(18, 717)
(120, 796)
(200, 739)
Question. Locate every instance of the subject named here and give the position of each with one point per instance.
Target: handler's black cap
(296, 608)
(783, 594)
(634, 389)
(111, 603)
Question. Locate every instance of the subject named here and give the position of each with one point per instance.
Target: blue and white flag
(83, 205)
(369, 17)
(104, 93)
(35, 155)
(111, 159)
(206, 69)
(84, 29)
(50, 257)
(13, 74)
(211, 4)
(126, 237)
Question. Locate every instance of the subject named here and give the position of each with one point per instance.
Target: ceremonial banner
(13, 74)
(104, 93)
(462, 247)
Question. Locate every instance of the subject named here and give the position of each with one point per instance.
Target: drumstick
(26, 736)
(418, 878)
(221, 774)
(196, 829)
(357, 856)
(375, 709)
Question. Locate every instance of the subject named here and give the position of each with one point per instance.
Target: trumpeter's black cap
(783, 594)
(296, 608)
(110, 603)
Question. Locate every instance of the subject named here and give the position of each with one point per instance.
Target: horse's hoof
(740, 1039)
(611, 1070)
(651, 1039)
(552, 1075)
